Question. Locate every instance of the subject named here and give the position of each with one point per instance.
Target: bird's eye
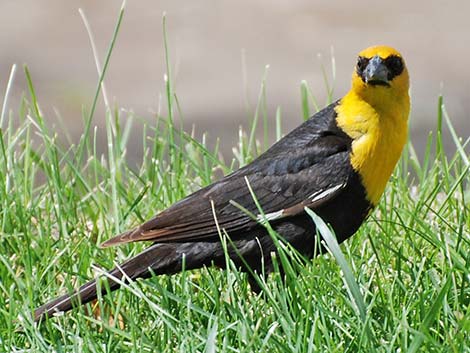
(361, 64)
(395, 65)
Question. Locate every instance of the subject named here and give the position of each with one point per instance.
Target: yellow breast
(379, 132)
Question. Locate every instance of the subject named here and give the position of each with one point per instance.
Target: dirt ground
(219, 50)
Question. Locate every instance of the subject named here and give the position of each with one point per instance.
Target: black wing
(306, 168)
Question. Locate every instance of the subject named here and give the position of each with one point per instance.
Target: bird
(337, 164)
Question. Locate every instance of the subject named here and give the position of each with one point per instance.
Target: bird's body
(337, 163)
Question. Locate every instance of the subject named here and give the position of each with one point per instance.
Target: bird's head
(380, 73)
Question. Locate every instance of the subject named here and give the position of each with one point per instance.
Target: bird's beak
(376, 72)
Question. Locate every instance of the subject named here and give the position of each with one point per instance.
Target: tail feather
(160, 258)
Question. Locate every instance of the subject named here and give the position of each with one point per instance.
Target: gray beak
(376, 72)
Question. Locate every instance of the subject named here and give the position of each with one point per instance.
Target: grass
(401, 284)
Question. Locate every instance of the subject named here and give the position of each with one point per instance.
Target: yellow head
(374, 113)
(380, 76)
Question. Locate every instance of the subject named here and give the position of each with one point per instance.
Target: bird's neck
(378, 134)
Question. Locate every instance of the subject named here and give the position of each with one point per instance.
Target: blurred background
(219, 50)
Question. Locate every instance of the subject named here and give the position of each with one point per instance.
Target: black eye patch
(394, 65)
(361, 65)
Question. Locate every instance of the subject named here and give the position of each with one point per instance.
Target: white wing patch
(324, 193)
(270, 216)
(315, 197)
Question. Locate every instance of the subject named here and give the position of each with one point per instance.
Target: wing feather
(306, 168)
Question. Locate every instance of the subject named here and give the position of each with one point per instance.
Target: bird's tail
(159, 258)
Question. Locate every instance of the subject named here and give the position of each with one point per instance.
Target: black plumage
(309, 167)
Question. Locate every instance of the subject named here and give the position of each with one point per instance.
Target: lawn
(400, 284)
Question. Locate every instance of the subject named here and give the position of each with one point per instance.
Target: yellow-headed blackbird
(337, 163)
